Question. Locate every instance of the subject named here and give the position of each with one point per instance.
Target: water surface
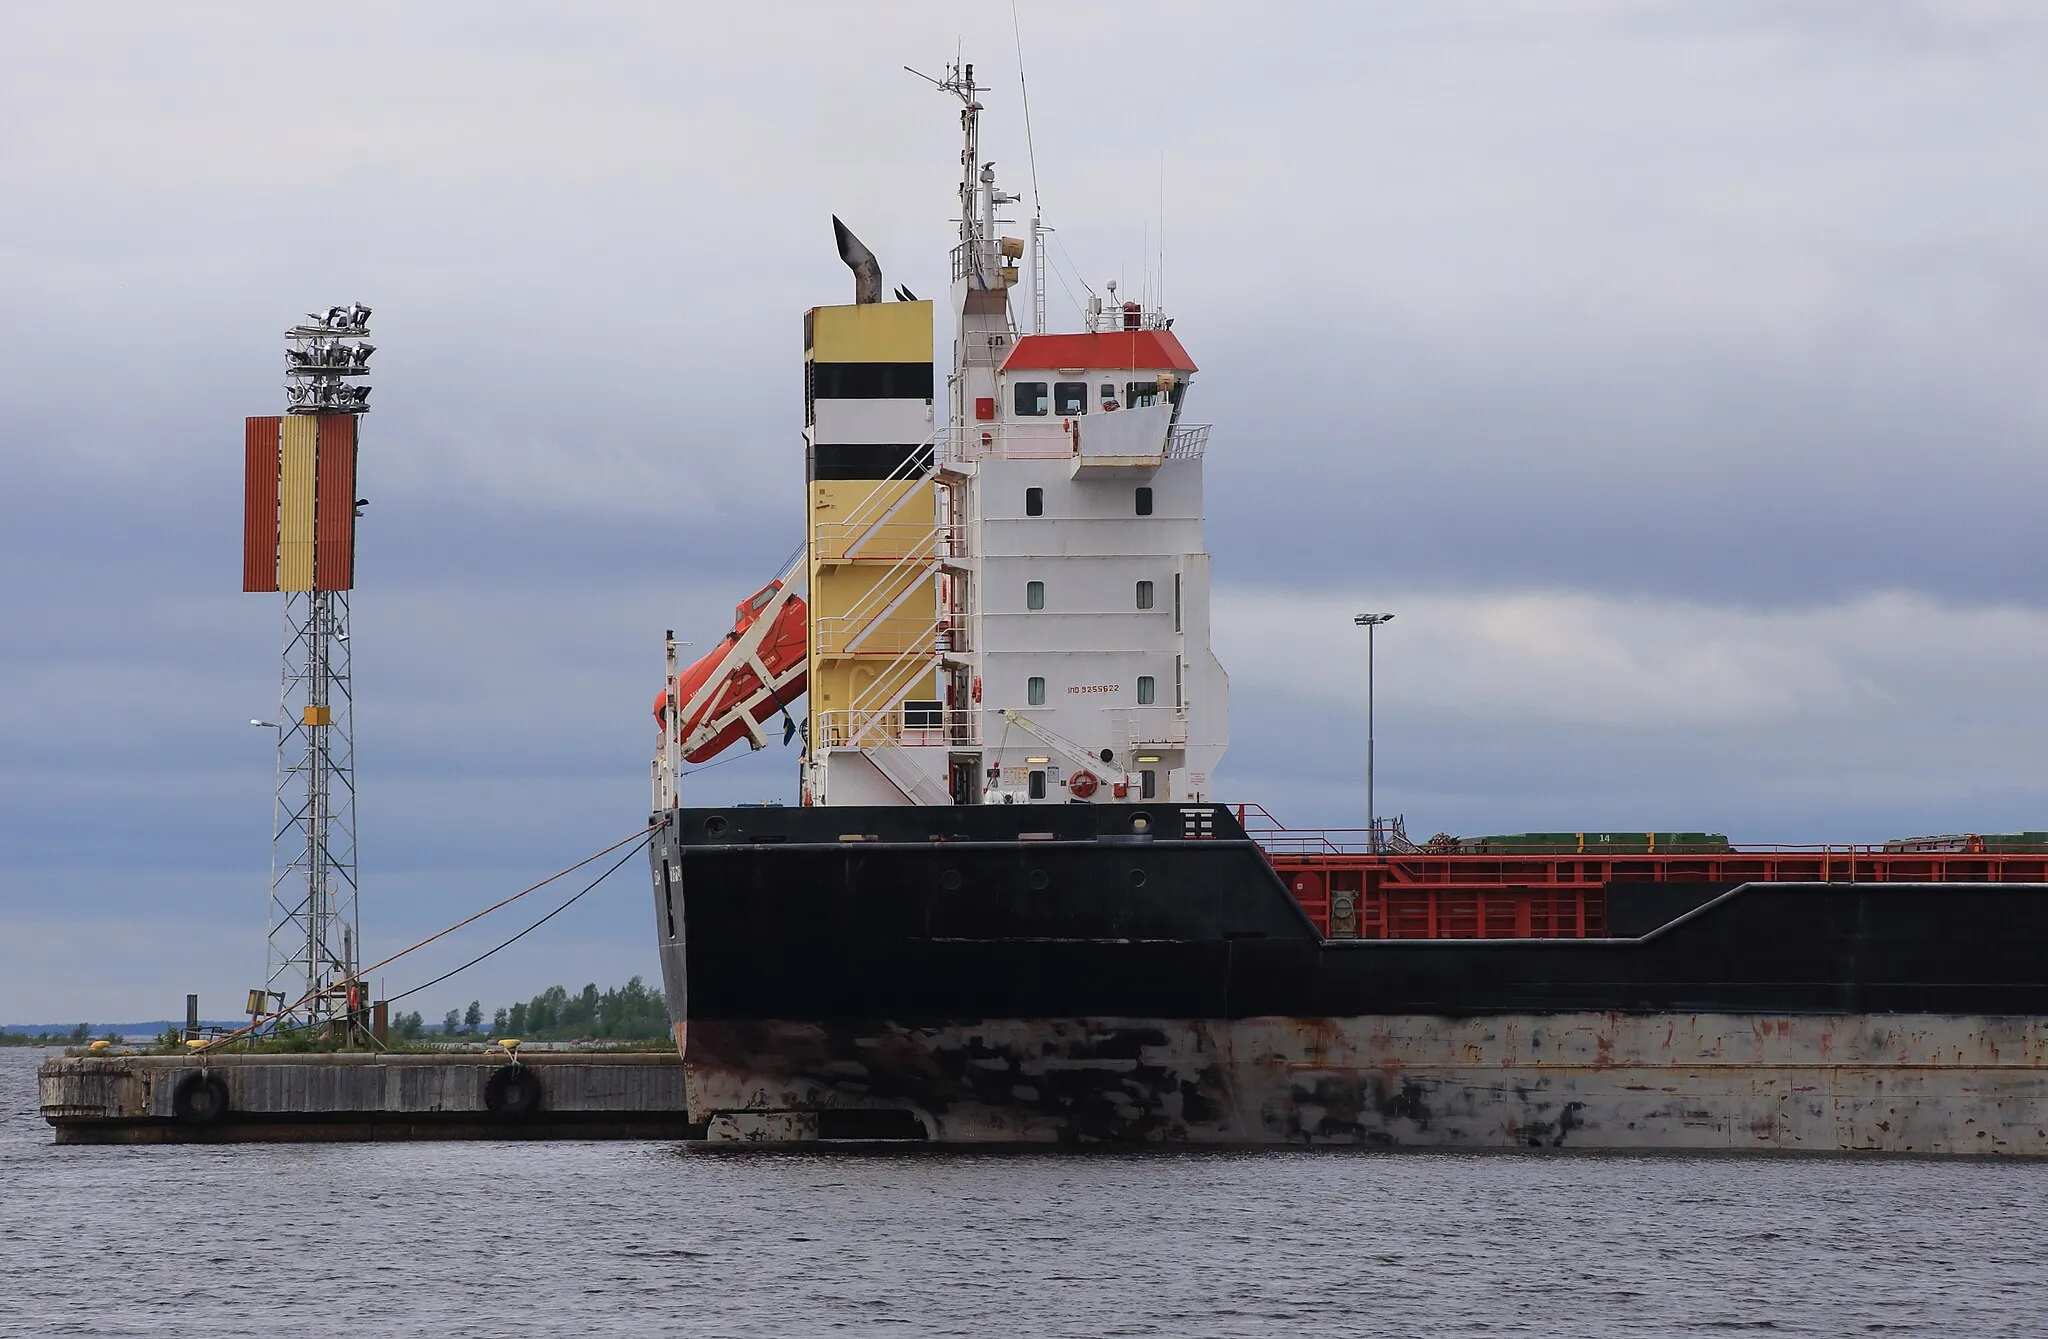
(646, 1238)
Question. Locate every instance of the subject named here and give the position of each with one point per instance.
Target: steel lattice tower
(300, 540)
(314, 930)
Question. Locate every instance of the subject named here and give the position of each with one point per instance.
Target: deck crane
(1091, 770)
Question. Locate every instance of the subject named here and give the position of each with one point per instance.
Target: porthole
(715, 824)
(950, 880)
(1141, 822)
(1137, 878)
(1039, 880)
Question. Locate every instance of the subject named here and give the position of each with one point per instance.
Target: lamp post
(1371, 623)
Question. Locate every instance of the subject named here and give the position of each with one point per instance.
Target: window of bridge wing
(1141, 394)
(1069, 398)
(1030, 399)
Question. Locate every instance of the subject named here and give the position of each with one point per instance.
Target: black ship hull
(1116, 973)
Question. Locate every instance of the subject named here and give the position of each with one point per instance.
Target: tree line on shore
(78, 1035)
(632, 1012)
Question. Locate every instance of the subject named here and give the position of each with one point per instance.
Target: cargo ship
(1010, 907)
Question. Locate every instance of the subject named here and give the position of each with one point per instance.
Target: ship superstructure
(1009, 606)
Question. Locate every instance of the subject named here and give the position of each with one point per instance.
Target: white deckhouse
(1068, 653)
(1012, 608)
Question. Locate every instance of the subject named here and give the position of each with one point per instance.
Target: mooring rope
(393, 999)
(256, 1024)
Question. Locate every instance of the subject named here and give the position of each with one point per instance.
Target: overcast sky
(1673, 371)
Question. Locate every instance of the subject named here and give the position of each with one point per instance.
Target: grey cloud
(1734, 304)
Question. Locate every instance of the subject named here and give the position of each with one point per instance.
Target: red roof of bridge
(1151, 350)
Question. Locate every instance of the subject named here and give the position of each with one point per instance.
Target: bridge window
(1034, 502)
(1144, 502)
(1034, 691)
(1036, 789)
(1069, 398)
(1148, 690)
(1144, 595)
(1030, 399)
(1139, 395)
(1034, 595)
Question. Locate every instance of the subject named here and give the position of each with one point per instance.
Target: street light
(1371, 623)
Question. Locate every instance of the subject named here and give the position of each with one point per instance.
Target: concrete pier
(233, 1098)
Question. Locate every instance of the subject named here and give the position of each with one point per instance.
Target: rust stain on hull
(1898, 1083)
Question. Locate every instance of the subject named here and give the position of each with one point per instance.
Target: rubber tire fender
(200, 1099)
(512, 1092)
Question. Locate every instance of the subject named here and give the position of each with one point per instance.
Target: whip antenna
(1037, 205)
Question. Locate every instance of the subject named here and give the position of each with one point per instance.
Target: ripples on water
(620, 1238)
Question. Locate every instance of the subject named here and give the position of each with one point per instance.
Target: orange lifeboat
(724, 695)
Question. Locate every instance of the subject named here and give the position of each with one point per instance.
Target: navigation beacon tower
(299, 538)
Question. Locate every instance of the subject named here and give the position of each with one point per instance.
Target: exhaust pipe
(867, 271)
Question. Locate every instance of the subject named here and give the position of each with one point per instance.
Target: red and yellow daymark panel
(296, 479)
(334, 504)
(259, 506)
(299, 494)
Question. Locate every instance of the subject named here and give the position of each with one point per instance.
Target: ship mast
(981, 282)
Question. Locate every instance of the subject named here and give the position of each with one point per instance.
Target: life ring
(512, 1092)
(1082, 784)
(200, 1099)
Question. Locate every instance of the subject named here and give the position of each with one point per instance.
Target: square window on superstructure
(1034, 595)
(1034, 691)
(1148, 690)
(1148, 785)
(1036, 788)
(1034, 502)
(1144, 502)
(1144, 595)
(1030, 400)
(1069, 398)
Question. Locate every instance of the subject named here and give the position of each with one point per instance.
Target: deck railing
(1050, 440)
